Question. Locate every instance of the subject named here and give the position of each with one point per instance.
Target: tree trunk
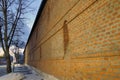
(8, 63)
(18, 56)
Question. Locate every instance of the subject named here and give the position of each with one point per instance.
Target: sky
(29, 21)
(32, 15)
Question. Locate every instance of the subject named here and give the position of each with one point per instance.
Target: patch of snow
(12, 76)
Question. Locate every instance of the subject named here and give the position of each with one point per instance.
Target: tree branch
(10, 3)
(11, 34)
(1, 40)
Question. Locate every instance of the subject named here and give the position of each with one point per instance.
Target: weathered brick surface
(77, 40)
(49, 50)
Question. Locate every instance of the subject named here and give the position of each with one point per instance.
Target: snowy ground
(2, 70)
(12, 76)
(25, 72)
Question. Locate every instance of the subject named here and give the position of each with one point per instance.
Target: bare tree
(11, 13)
(16, 49)
(18, 43)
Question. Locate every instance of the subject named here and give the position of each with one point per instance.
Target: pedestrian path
(28, 73)
(22, 69)
(2, 70)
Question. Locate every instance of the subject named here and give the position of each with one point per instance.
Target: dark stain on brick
(40, 52)
(66, 35)
(106, 58)
(104, 69)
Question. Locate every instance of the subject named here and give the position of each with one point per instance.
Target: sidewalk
(25, 72)
(29, 74)
(2, 70)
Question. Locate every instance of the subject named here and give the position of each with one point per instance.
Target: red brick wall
(77, 40)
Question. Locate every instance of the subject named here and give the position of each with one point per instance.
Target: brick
(91, 48)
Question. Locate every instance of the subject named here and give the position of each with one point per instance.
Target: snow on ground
(2, 70)
(25, 72)
(12, 76)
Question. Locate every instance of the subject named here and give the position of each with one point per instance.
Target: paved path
(28, 73)
(2, 70)
(22, 69)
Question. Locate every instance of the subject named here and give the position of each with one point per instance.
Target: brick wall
(77, 40)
